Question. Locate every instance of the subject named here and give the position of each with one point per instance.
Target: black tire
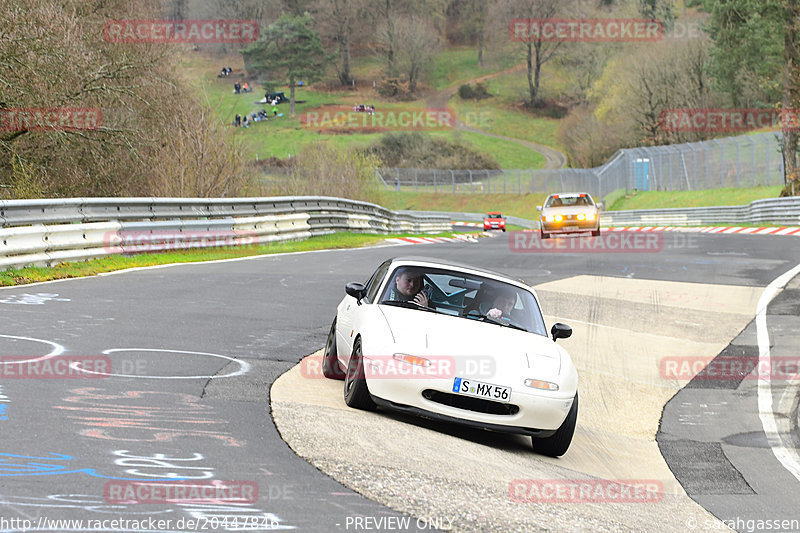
(330, 363)
(558, 444)
(356, 393)
(544, 235)
(596, 233)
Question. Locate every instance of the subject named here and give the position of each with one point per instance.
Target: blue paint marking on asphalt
(35, 468)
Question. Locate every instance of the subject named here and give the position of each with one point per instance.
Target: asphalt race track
(171, 370)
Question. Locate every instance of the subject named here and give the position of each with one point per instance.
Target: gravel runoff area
(463, 480)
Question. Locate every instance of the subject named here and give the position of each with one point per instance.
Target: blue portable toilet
(641, 168)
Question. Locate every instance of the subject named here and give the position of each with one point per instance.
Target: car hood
(429, 334)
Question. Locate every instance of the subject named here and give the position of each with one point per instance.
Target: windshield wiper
(408, 305)
(499, 322)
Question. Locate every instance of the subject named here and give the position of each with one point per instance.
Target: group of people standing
(238, 88)
(361, 108)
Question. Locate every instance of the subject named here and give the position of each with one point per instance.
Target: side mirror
(538, 208)
(356, 290)
(560, 331)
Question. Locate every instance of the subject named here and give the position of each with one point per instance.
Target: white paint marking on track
(244, 366)
(787, 456)
(57, 350)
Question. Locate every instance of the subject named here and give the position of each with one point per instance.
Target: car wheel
(504, 230)
(356, 393)
(330, 362)
(544, 235)
(557, 444)
(596, 233)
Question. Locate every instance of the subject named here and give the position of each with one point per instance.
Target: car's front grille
(470, 404)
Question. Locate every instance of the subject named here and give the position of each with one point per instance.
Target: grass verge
(22, 276)
(519, 205)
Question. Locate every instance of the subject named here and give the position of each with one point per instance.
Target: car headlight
(542, 385)
(554, 218)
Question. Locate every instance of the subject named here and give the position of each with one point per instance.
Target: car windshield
(494, 215)
(564, 201)
(466, 296)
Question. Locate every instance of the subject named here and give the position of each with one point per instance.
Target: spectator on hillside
(237, 121)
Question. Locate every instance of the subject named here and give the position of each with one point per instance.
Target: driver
(408, 288)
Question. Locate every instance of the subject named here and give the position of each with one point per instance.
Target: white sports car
(458, 344)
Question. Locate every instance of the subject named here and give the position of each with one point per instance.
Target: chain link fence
(743, 161)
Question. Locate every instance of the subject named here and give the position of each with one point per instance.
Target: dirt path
(553, 158)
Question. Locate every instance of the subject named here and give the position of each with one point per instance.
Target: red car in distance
(494, 221)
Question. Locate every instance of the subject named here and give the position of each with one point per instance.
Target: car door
(350, 307)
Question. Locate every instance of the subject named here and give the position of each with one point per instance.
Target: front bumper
(535, 413)
(416, 411)
(570, 226)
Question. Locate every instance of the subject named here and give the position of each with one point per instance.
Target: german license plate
(571, 228)
(478, 389)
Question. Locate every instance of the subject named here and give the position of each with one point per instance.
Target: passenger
(494, 302)
(502, 305)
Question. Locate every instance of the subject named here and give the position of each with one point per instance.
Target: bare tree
(344, 23)
(417, 45)
(53, 56)
(537, 50)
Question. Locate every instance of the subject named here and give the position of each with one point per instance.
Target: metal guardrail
(478, 217)
(782, 211)
(50, 231)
